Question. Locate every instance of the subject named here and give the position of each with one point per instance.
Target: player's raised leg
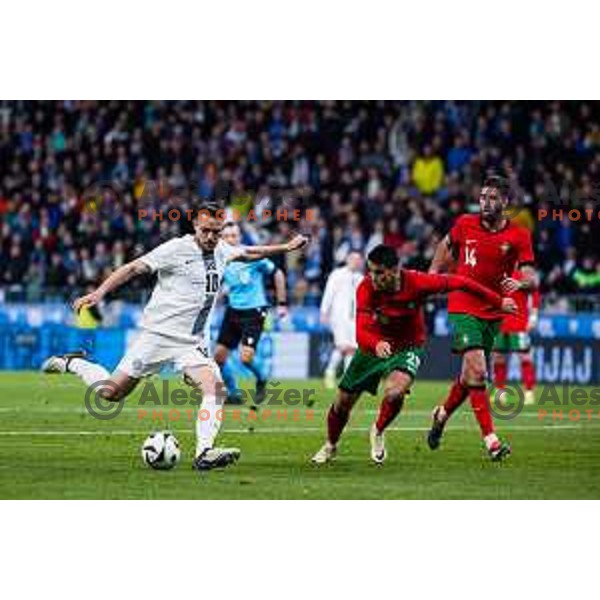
(113, 386)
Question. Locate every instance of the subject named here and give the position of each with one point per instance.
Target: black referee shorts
(243, 326)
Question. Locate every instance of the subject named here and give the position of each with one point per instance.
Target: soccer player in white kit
(338, 310)
(175, 324)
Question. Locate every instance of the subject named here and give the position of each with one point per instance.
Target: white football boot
(55, 364)
(216, 458)
(325, 454)
(378, 453)
(60, 363)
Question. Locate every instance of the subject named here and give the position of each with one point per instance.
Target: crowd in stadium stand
(74, 175)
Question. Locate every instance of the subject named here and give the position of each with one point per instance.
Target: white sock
(334, 361)
(88, 371)
(208, 423)
(490, 440)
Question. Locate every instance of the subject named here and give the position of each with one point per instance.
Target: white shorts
(151, 351)
(344, 333)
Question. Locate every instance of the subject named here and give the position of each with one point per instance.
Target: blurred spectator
(73, 176)
(428, 172)
(587, 276)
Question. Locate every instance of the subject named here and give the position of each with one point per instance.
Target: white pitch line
(532, 413)
(259, 430)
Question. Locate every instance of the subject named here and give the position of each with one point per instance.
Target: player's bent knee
(397, 384)
(395, 396)
(474, 371)
(475, 376)
(221, 354)
(205, 377)
(345, 401)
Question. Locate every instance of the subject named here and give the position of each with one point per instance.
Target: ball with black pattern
(161, 451)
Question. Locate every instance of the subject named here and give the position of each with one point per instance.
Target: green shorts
(512, 342)
(471, 332)
(365, 371)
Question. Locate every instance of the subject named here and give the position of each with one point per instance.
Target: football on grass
(161, 450)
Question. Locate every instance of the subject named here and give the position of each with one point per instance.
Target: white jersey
(339, 298)
(188, 283)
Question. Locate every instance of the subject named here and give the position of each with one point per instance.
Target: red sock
(388, 411)
(500, 371)
(528, 373)
(479, 402)
(335, 425)
(457, 395)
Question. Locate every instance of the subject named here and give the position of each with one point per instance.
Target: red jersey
(525, 300)
(397, 317)
(487, 257)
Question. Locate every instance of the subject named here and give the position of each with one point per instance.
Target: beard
(492, 217)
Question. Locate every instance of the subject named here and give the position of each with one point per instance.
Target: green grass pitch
(52, 448)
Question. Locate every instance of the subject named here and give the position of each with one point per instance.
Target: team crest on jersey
(505, 248)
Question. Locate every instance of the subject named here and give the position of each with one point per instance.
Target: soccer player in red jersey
(514, 337)
(390, 332)
(488, 248)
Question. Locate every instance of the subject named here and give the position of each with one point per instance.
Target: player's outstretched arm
(434, 283)
(251, 253)
(457, 282)
(115, 280)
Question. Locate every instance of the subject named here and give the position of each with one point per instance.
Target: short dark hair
(383, 255)
(212, 208)
(498, 182)
(229, 224)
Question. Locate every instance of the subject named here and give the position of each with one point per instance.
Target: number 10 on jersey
(212, 283)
